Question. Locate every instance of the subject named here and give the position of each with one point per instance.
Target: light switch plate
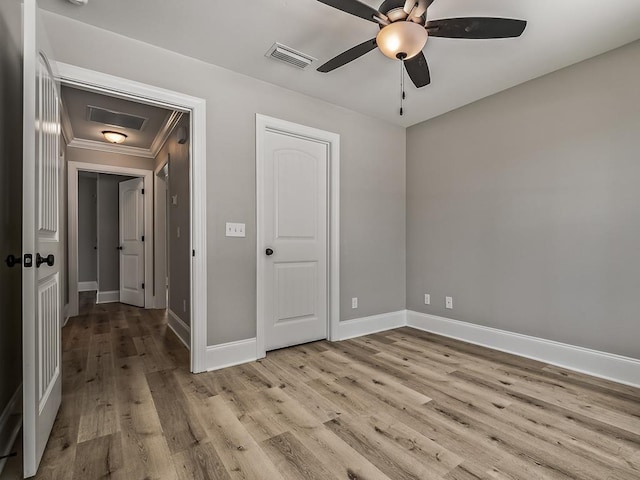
(449, 302)
(427, 299)
(235, 230)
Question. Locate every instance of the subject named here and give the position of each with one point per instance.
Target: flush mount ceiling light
(114, 137)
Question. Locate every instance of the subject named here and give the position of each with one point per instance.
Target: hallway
(118, 363)
(400, 404)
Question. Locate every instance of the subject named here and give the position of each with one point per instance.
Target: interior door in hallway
(43, 252)
(294, 239)
(132, 242)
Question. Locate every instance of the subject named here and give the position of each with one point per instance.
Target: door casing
(264, 124)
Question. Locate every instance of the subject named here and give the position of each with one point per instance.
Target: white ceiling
(76, 101)
(236, 35)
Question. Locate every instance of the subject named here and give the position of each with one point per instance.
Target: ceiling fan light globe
(400, 38)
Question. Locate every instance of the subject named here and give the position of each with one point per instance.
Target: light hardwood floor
(401, 404)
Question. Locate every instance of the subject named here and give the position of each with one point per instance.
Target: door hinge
(143, 191)
(143, 238)
(143, 286)
(193, 253)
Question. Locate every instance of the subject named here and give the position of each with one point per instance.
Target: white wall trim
(136, 91)
(10, 424)
(87, 286)
(264, 124)
(358, 327)
(72, 225)
(109, 296)
(165, 131)
(179, 327)
(96, 145)
(161, 245)
(592, 362)
(232, 353)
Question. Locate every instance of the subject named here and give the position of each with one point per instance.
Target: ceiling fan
(404, 31)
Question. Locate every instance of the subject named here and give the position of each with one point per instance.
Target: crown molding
(67, 129)
(165, 131)
(110, 148)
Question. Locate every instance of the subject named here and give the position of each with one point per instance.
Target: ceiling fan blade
(418, 70)
(348, 56)
(354, 7)
(476, 27)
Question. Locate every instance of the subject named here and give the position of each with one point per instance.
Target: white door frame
(266, 124)
(160, 226)
(72, 226)
(140, 92)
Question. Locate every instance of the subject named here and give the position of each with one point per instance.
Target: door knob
(12, 260)
(269, 252)
(49, 260)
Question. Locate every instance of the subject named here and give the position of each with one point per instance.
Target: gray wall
(10, 200)
(372, 174)
(525, 207)
(87, 228)
(179, 218)
(108, 231)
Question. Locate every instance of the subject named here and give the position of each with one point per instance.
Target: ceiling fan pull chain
(402, 95)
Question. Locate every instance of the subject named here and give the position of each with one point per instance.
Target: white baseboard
(110, 296)
(10, 424)
(366, 325)
(232, 353)
(592, 362)
(87, 286)
(181, 329)
(605, 365)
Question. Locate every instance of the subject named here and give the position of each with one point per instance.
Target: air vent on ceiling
(115, 119)
(289, 55)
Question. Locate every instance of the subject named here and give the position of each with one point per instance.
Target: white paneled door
(132, 242)
(42, 247)
(294, 238)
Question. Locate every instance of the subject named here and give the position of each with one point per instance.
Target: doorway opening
(170, 243)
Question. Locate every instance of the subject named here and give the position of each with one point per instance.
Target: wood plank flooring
(396, 405)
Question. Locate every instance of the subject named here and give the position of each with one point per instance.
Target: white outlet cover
(427, 299)
(449, 302)
(354, 302)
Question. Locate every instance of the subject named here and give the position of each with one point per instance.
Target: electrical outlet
(449, 302)
(427, 299)
(354, 302)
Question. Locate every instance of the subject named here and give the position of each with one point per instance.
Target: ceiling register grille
(289, 55)
(115, 119)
